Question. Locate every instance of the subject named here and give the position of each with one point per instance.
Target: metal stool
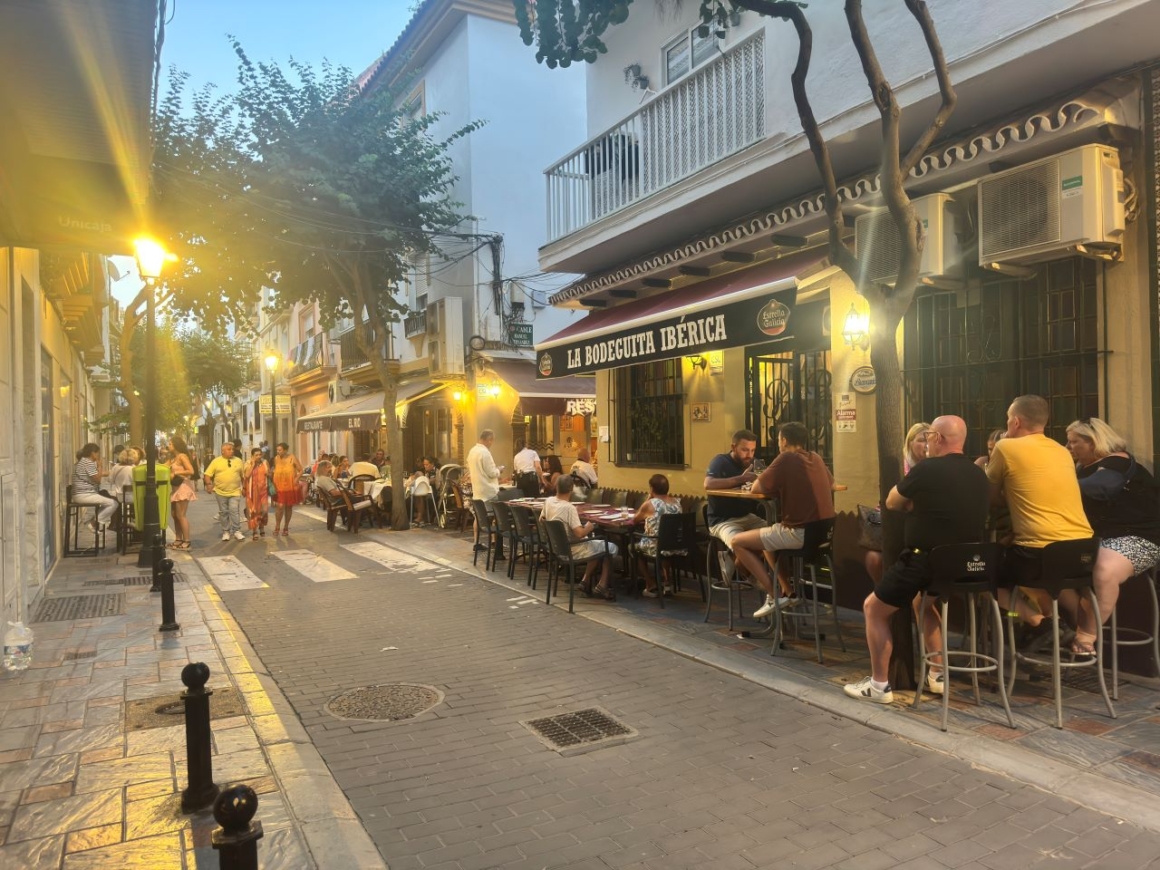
(73, 524)
(1135, 636)
(969, 570)
(816, 544)
(1063, 565)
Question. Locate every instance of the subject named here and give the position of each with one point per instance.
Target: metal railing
(415, 324)
(715, 112)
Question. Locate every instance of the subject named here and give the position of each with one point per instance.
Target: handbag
(270, 491)
(176, 481)
(1105, 484)
(870, 519)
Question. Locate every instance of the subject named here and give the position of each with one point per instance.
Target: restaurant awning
(360, 413)
(753, 306)
(549, 398)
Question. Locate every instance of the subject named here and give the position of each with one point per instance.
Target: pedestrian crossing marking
(228, 573)
(430, 581)
(312, 566)
(390, 558)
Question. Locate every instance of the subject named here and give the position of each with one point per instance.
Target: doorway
(789, 385)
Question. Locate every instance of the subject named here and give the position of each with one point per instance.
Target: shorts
(1141, 552)
(1021, 566)
(587, 550)
(779, 537)
(905, 579)
(727, 530)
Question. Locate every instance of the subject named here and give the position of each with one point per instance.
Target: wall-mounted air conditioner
(433, 318)
(877, 243)
(338, 389)
(1070, 203)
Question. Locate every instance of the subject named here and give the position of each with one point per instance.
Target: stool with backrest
(127, 533)
(677, 535)
(1119, 637)
(72, 527)
(506, 528)
(716, 553)
(816, 547)
(1063, 565)
(969, 570)
(527, 539)
(486, 533)
(560, 543)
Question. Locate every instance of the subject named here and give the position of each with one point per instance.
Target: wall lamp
(856, 330)
(698, 362)
(493, 390)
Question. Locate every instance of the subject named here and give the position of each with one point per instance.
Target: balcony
(310, 356)
(717, 111)
(415, 324)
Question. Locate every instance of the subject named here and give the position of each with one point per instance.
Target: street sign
(520, 334)
(284, 405)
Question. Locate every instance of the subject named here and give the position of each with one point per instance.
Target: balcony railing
(310, 355)
(415, 324)
(713, 113)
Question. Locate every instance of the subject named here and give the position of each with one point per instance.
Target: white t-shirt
(525, 461)
(586, 471)
(484, 473)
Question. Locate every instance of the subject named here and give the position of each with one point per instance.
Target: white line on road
(312, 566)
(228, 574)
(388, 557)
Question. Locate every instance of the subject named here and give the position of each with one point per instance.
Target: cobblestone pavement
(722, 773)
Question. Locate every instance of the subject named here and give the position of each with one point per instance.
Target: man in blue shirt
(729, 517)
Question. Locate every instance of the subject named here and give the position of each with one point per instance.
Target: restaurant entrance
(787, 385)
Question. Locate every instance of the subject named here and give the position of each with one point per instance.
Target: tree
(565, 32)
(216, 366)
(303, 183)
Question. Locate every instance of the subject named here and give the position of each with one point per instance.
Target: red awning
(548, 398)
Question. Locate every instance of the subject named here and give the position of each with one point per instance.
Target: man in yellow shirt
(1035, 477)
(223, 477)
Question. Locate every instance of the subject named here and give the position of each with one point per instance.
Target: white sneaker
(728, 569)
(865, 691)
(225, 536)
(766, 608)
(238, 536)
(936, 682)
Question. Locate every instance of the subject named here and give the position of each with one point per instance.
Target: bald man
(946, 499)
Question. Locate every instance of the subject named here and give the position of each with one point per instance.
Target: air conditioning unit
(444, 361)
(1070, 203)
(435, 357)
(877, 243)
(338, 389)
(433, 311)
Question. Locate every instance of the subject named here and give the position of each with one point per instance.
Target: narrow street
(720, 772)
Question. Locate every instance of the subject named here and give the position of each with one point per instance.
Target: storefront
(356, 426)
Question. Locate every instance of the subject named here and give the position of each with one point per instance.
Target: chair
(594, 494)
(527, 538)
(676, 533)
(1134, 636)
(462, 511)
(617, 498)
(72, 527)
(506, 529)
(816, 546)
(339, 502)
(716, 553)
(560, 544)
(127, 533)
(484, 528)
(1063, 565)
(969, 570)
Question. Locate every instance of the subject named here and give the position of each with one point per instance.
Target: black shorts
(904, 579)
(1021, 566)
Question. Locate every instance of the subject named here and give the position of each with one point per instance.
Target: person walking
(256, 479)
(223, 478)
(181, 476)
(287, 470)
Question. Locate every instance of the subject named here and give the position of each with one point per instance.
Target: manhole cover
(79, 607)
(161, 711)
(75, 656)
(391, 703)
(145, 580)
(581, 731)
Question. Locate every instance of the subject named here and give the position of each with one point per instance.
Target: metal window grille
(650, 414)
(789, 386)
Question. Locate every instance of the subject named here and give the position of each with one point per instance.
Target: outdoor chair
(527, 539)
(617, 498)
(676, 534)
(506, 529)
(1119, 637)
(127, 533)
(73, 524)
(816, 548)
(970, 571)
(716, 553)
(560, 545)
(1063, 565)
(486, 533)
(350, 506)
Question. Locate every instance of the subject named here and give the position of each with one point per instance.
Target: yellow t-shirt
(226, 475)
(1038, 477)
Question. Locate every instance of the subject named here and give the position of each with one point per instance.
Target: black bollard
(236, 841)
(168, 608)
(198, 753)
(158, 550)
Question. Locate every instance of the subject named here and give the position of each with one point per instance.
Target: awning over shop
(548, 398)
(364, 412)
(753, 306)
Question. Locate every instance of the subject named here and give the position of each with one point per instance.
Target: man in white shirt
(485, 476)
(583, 471)
(528, 472)
(594, 552)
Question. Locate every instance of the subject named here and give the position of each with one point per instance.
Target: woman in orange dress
(255, 483)
(287, 470)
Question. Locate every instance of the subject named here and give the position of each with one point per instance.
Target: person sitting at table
(552, 471)
(418, 490)
(946, 501)
(803, 487)
(583, 472)
(364, 467)
(729, 517)
(342, 468)
(593, 552)
(658, 503)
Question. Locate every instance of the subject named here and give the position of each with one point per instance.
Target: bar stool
(969, 570)
(717, 552)
(1063, 565)
(72, 527)
(1135, 636)
(816, 546)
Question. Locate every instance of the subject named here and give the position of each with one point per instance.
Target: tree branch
(921, 14)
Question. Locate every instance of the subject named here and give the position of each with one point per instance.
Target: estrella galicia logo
(545, 364)
(773, 318)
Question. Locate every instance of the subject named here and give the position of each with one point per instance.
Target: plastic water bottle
(18, 647)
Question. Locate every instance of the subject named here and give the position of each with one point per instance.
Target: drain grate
(144, 580)
(391, 703)
(77, 656)
(581, 731)
(162, 711)
(79, 607)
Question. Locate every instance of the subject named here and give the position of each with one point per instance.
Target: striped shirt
(83, 473)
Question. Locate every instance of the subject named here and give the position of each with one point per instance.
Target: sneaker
(864, 691)
(225, 536)
(766, 608)
(728, 569)
(936, 682)
(238, 536)
(649, 593)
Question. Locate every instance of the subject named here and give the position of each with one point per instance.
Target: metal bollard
(198, 753)
(236, 841)
(158, 549)
(168, 608)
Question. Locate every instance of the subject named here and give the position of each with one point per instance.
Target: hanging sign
(863, 380)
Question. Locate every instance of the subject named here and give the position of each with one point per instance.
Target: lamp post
(272, 361)
(151, 258)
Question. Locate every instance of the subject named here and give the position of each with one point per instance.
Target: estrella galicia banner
(759, 319)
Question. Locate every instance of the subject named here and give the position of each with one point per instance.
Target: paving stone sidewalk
(80, 788)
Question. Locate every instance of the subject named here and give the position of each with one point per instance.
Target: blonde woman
(180, 469)
(914, 448)
(287, 470)
(1120, 501)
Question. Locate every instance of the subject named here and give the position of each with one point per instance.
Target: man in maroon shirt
(802, 485)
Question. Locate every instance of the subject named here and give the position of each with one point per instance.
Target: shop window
(970, 353)
(649, 406)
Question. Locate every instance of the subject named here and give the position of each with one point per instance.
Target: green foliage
(216, 365)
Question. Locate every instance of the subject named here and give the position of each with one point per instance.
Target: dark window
(650, 414)
(970, 353)
(789, 386)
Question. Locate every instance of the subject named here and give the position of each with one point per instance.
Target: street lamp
(151, 259)
(272, 360)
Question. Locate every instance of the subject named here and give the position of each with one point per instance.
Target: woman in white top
(122, 474)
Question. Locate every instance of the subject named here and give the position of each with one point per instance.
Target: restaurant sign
(756, 320)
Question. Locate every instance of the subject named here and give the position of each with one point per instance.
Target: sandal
(179, 545)
(606, 594)
(1083, 647)
(255, 536)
